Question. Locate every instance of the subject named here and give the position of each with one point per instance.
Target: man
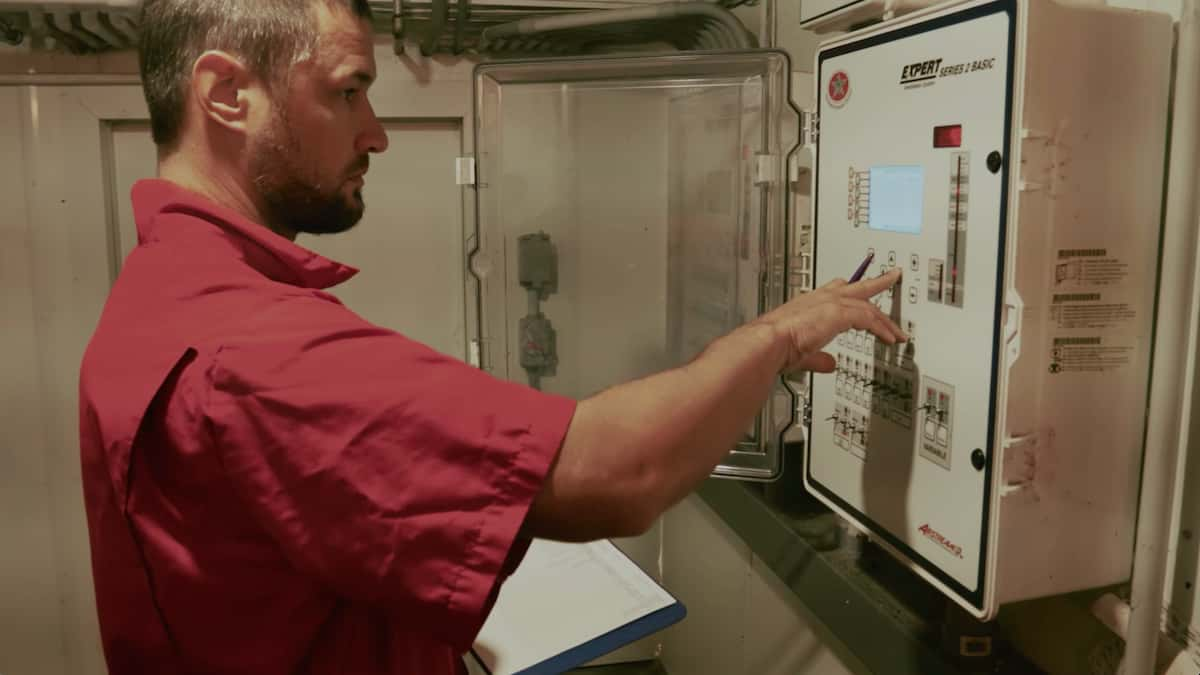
(275, 485)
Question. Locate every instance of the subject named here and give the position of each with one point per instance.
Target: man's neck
(216, 186)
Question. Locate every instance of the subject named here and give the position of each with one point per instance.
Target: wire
(73, 43)
(708, 25)
(460, 24)
(10, 33)
(441, 9)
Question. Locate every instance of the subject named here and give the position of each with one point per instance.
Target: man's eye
(349, 94)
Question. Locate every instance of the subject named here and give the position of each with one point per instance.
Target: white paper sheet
(562, 596)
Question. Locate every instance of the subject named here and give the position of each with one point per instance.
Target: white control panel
(960, 145)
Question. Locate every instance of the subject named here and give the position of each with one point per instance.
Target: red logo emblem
(839, 88)
(941, 540)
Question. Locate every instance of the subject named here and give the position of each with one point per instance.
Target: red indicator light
(947, 136)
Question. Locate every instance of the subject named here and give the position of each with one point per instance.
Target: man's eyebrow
(363, 77)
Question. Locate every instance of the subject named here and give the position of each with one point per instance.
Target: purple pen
(858, 273)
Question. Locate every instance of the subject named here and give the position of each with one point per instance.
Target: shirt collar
(271, 254)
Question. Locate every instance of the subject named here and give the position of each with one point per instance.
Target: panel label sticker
(1094, 317)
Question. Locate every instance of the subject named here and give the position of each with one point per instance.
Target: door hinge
(810, 127)
(464, 170)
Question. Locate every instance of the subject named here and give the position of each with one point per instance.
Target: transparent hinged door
(631, 210)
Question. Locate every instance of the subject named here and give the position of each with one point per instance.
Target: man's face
(308, 159)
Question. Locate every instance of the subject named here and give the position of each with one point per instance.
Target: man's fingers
(868, 288)
(866, 316)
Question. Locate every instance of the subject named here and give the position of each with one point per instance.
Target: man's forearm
(654, 439)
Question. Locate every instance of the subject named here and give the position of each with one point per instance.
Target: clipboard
(567, 605)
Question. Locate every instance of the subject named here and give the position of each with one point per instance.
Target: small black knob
(994, 160)
(978, 460)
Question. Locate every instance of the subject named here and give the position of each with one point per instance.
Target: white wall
(30, 615)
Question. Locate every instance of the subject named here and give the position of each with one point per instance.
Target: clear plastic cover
(631, 210)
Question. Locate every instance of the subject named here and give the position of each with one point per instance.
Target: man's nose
(374, 138)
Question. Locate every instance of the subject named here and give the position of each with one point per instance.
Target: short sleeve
(396, 475)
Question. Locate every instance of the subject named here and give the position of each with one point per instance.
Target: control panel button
(914, 262)
(891, 258)
(912, 294)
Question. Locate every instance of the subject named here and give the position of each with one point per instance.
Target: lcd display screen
(896, 198)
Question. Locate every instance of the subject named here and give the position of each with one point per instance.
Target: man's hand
(810, 321)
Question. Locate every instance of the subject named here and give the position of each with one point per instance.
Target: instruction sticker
(1088, 355)
(1090, 311)
(1094, 316)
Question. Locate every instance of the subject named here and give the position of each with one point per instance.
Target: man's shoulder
(164, 304)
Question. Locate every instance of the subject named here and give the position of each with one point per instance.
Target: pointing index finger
(868, 288)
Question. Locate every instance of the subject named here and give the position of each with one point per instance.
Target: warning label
(1088, 354)
(1088, 267)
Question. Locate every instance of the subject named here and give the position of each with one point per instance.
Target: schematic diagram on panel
(874, 389)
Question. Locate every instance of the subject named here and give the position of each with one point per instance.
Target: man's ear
(220, 84)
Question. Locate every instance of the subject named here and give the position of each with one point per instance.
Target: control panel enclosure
(1008, 156)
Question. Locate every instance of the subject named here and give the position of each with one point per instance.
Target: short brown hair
(269, 35)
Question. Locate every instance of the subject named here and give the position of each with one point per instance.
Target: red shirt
(275, 485)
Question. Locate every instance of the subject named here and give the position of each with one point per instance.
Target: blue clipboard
(573, 656)
(605, 644)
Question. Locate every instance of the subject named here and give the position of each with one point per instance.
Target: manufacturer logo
(940, 539)
(925, 73)
(919, 72)
(838, 89)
